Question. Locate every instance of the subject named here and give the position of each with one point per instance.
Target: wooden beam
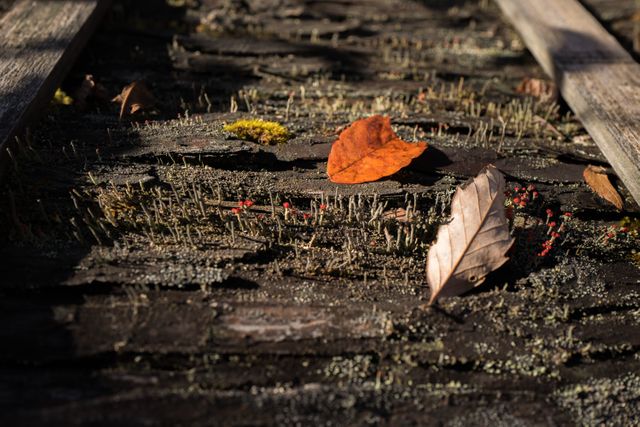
(599, 79)
(40, 40)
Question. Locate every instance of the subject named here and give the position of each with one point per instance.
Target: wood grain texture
(599, 79)
(40, 40)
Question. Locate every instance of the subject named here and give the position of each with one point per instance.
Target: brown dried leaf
(545, 90)
(596, 178)
(476, 240)
(134, 97)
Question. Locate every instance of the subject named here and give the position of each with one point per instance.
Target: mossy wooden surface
(136, 291)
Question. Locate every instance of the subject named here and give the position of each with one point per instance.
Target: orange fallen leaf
(369, 150)
(476, 240)
(545, 90)
(134, 97)
(596, 178)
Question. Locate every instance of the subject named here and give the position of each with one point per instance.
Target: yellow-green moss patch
(61, 98)
(261, 131)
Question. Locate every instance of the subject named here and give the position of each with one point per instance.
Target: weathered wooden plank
(40, 40)
(598, 78)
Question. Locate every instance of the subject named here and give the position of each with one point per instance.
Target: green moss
(632, 225)
(261, 131)
(61, 98)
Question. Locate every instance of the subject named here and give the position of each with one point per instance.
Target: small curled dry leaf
(542, 89)
(596, 178)
(476, 240)
(369, 150)
(134, 97)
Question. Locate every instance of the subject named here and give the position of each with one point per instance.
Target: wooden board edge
(52, 82)
(622, 164)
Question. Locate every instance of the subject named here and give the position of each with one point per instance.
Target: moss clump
(61, 98)
(261, 131)
(632, 225)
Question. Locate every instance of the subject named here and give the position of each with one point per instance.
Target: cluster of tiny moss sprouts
(408, 58)
(260, 131)
(522, 196)
(610, 400)
(314, 217)
(344, 237)
(632, 225)
(554, 231)
(613, 232)
(536, 226)
(349, 237)
(502, 123)
(605, 240)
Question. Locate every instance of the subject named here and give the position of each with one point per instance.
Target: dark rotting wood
(187, 321)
